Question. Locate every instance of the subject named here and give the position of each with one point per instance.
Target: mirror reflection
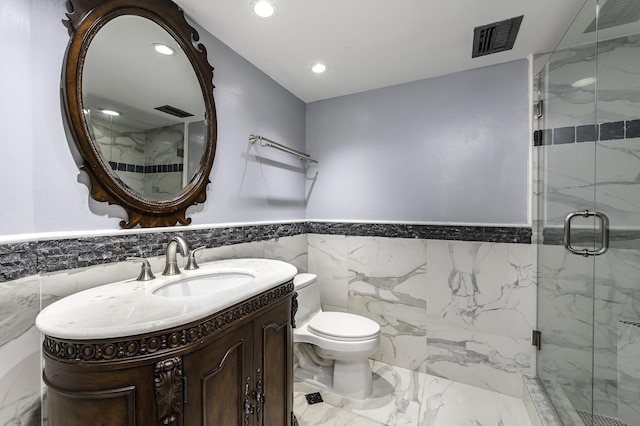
(144, 108)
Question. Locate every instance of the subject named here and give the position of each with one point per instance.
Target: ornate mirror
(138, 96)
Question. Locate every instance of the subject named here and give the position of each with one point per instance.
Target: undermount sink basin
(204, 285)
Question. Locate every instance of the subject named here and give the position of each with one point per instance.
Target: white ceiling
(368, 44)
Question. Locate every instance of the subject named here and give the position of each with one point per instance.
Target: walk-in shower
(587, 179)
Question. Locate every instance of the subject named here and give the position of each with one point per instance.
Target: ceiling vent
(496, 37)
(174, 111)
(615, 13)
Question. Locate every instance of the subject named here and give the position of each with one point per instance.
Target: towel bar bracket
(273, 144)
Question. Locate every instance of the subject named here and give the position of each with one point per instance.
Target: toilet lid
(343, 326)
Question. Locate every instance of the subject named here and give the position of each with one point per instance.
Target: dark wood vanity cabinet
(232, 368)
(244, 378)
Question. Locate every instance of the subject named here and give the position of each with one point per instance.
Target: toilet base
(348, 378)
(352, 379)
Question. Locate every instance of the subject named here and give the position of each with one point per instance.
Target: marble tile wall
(580, 322)
(22, 299)
(386, 278)
(575, 118)
(456, 309)
(628, 371)
(480, 314)
(587, 157)
(20, 360)
(162, 147)
(148, 162)
(119, 145)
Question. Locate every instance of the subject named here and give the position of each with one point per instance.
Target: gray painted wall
(447, 149)
(39, 173)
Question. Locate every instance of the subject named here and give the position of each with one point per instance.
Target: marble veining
(19, 405)
(140, 310)
(541, 411)
(481, 286)
(130, 152)
(406, 397)
(628, 369)
(618, 238)
(391, 276)
(382, 282)
(582, 303)
(479, 313)
(402, 341)
(571, 331)
(19, 306)
(456, 309)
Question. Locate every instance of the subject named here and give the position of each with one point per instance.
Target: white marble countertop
(129, 307)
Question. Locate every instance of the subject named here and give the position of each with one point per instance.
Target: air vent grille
(496, 37)
(174, 111)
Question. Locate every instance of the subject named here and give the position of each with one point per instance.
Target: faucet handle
(145, 271)
(191, 260)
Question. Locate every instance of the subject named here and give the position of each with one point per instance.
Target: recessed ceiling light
(318, 68)
(584, 82)
(263, 8)
(163, 49)
(109, 112)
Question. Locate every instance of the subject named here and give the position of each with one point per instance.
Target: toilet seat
(343, 326)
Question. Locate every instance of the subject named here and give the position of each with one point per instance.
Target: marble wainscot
(383, 271)
(20, 352)
(481, 310)
(442, 305)
(34, 274)
(628, 371)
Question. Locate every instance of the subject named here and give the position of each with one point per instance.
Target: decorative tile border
(23, 259)
(618, 238)
(587, 133)
(146, 169)
(491, 234)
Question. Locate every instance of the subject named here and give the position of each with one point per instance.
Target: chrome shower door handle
(604, 229)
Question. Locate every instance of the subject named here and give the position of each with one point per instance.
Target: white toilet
(335, 346)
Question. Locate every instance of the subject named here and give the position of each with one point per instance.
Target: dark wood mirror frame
(85, 19)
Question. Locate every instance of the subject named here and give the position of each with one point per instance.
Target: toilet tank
(306, 285)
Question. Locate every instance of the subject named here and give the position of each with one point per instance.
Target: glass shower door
(588, 158)
(616, 360)
(565, 150)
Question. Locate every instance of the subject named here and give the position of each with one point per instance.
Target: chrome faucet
(176, 242)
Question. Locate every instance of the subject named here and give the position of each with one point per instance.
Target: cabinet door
(90, 395)
(217, 380)
(274, 366)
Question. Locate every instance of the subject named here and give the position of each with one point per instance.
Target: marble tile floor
(405, 397)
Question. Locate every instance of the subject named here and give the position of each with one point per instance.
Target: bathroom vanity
(212, 347)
